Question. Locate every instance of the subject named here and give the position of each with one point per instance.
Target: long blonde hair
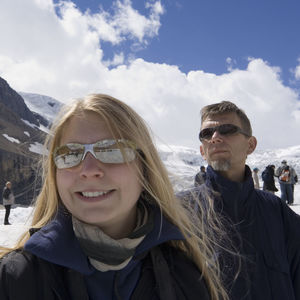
(125, 123)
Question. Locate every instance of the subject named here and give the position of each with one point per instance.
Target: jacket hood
(57, 243)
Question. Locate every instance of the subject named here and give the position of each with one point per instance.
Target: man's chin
(220, 165)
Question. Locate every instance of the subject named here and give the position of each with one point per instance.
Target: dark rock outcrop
(13, 101)
(19, 136)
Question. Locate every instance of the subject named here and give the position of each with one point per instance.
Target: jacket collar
(230, 189)
(57, 243)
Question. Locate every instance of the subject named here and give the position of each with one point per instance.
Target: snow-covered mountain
(45, 106)
(182, 162)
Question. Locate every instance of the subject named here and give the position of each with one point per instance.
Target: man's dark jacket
(264, 230)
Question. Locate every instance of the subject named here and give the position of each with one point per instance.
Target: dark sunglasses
(224, 129)
(106, 151)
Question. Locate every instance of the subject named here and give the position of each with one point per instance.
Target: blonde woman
(106, 224)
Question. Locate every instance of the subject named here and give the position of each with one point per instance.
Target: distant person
(107, 224)
(268, 179)
(295, 181)
(200, 176)
(8, 200)
(286, 177)
(255, 178)
(263, 229)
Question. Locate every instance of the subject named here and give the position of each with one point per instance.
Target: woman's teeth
(93, 194)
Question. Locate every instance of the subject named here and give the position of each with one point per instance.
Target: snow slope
(45, 106)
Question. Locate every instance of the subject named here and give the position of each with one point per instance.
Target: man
(8, 201)
(262, 229)
(286, 177)
(200, 177)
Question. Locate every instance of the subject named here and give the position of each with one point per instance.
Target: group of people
(107, 224)
(287, 178)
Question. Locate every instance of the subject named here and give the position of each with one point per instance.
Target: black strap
(162, 275)
(155, 278)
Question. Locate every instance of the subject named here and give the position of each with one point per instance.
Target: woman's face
(98, 193)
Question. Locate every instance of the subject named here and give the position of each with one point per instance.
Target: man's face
(227, 153)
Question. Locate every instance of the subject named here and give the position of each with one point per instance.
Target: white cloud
(171, 100)
(117, 60)
(62, 57)
(230, 63)
(41, 51)
(297, 70)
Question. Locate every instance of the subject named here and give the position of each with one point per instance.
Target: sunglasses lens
(206, 133)
(106, 151)
(227, 129)
(115, 156)
(114, 152)
(68, 156)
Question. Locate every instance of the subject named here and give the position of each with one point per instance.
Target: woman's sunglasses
(224, 129)
(106, 151)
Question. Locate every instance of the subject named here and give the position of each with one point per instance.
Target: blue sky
(203, 34)
(165, 58)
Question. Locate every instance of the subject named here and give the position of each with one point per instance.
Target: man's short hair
(226, 107)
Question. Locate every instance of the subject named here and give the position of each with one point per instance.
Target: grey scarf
(105, 253)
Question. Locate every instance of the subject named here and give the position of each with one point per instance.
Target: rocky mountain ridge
(19, 132)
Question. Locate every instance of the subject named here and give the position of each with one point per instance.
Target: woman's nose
(91, 167)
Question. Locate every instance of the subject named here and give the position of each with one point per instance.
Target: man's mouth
(218, 151)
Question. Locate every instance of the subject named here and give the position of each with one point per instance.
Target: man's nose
(216, 137)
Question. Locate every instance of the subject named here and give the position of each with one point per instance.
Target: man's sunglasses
(224, 129)
(106, 151)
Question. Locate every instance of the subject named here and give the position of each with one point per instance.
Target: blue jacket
(57, 243)
(264, 230)
(53, 255)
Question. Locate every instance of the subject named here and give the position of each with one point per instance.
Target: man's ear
(202, 152)
(252, 143)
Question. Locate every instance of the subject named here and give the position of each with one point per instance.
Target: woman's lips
(88, 196)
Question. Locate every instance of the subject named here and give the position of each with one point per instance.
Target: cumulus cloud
(171, 100)
(125, 21)
(46, 47)
(230, 63)
(297, 70)
(57, 51)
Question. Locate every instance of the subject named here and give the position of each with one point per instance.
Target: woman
(8, 201)
(106, 224)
